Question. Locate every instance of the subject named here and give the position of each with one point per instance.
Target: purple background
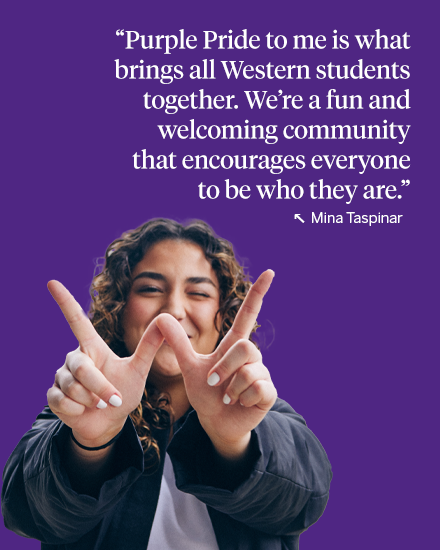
(353, 308)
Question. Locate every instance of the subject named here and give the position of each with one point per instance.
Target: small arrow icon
(298, 217)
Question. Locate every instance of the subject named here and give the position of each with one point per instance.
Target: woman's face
(173, 277)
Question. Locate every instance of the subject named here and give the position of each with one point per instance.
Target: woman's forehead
(176, 257)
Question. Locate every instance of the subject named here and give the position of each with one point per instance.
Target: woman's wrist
(88, 470)
(98, 448)
(96, 445)
(232, 449)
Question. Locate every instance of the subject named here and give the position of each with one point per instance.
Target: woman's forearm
(88, 470)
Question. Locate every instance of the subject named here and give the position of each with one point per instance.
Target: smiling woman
(166, 361)
(188, 290)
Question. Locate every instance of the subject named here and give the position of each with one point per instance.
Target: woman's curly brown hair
(110, 289)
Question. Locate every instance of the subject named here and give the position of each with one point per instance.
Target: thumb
(146, 350)
(177, 338)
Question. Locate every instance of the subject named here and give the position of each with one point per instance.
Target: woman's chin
(165, 364)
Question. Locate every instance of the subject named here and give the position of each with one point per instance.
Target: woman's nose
(175, 305)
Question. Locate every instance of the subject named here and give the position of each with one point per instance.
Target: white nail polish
(101, 405)
(115, 400)
(226, 399)
(213, 379)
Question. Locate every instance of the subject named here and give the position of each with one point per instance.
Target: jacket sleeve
(285, 487)
(37, 498)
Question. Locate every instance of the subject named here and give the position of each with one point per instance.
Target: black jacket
(279, 493)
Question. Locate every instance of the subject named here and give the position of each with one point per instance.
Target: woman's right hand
(95, 390)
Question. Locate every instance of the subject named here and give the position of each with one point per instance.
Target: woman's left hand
(230, 389)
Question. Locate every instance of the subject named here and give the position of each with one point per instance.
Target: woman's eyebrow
(198, 280)
(159, 277)
(150, 275)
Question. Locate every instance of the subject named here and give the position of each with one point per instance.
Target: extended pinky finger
(62, 405)
(261, 393)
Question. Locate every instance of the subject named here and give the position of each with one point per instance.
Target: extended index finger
(176, 337)
(81, 326)
(247, 314)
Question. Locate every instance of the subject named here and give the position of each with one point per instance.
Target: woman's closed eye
(149, 290)
(198, 291)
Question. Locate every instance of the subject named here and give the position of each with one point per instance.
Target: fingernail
(101, 405)
(115, 400)
(213, 379)
(226, 399)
